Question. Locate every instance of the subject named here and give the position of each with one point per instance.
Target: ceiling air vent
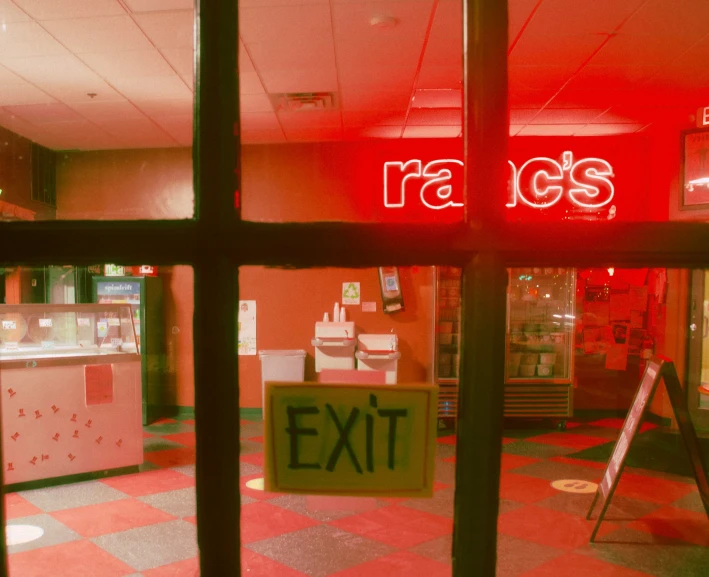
(303, 101)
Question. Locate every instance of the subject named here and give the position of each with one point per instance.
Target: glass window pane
(557, 444)
(610, 81)
(98, 424)
(96, 111)
(351, 111)
(283, 337)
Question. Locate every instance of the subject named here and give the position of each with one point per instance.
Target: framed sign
(694, 169)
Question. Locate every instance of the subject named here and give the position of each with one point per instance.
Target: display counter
(70, 377)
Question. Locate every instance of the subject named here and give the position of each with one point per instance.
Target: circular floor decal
(255, 484)
(574, 486)
(18, 534)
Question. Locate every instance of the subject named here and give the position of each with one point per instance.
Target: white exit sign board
(356, 440)
(703, 117)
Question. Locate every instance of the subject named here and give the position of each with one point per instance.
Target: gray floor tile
(538, 450)
(692, 502)
(552, 471)
(169, 429)
(249, 469)
(444, 451)
(189, 470)
(55, 533)
(250, 447)
(299, 504)
(445, 472)
(516, 556)
(148, 466)
(440, 504)
(320, 551)
(245, 500)
(152, 546)
(620, 508)
(505, 506)
(440, 549)
(159, 444)
(71, 496)
(179, 503)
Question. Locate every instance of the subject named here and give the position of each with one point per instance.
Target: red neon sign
(539, 183)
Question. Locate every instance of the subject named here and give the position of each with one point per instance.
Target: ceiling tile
(529, 98)
(313, 135)
(515, 128)
(568, 98)
(166, 106)
(158, 5)
(9, 77)
(181, 59)
(445, 41)
(437, 98)
(522, 115)
(44, 113)
(188, 79)
(305, 79)
(519, 13)
(367, 132)
(169, 29)
(567, 115)
(9, 13)
(373, 100)
(432, 132)
(559, 49)
(310, 119)
(435, 117)
(142, 128)
(103, 111)
(104, 34)
(63, 9)
(180, 127)
(152, 88)
(616, 77)
(539, 77)
(550, 130)
(267, 3)
(259, 121)
(603, 129)
(443, 76)
(23, 93)
(628, 115)
(255, 103)
(26, 39)
(134, 63)
(380, 78)
(362, 118)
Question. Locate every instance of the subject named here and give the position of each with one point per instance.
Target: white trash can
(286, 366)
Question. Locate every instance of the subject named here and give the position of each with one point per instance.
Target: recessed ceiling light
(383, 22)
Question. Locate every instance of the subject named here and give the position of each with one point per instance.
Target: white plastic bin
(286, 366)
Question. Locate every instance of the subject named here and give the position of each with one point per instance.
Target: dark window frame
(216, 243)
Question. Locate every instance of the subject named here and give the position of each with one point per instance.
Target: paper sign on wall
(369, 307)
(247, 327)
(346, 439)
(350, 293)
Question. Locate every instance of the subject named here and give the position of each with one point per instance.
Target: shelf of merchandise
(447, 296)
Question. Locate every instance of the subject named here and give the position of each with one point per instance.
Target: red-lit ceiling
(577, 67)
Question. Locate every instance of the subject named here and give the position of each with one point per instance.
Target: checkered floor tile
(144, 524)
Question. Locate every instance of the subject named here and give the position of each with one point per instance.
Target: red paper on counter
(99, 384)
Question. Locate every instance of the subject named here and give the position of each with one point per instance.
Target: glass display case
(446, 364)
(540, 341)
(53, 332)
(70, 376)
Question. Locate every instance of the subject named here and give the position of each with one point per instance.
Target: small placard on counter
(350, 439)
(45, 323)
(83, 322)
(9, 325)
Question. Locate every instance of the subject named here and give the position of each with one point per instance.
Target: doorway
(698, 352)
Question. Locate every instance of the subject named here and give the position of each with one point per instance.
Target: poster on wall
(247, 327)
(350, 293)
(694, 172)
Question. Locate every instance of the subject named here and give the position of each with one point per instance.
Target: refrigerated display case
(71, 382)
(541, 322)
(144, 295)
(447, 307)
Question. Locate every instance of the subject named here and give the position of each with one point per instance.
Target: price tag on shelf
(9, 325)
(83, 322)
(11, 346)
(45, 323)
(47, 344)
(116, 342)
(113, 322)
(85, 343)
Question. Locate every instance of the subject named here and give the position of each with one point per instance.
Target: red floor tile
(550, 528)
(689, 526)
(568, 440)
(506, 441)
(147, 435)
(330, 503)
(524, 489)
(187, 439)
(263, 520)
(172, 457)
(581, 566)
(448, 460)
(192, 519)
(572, 424)
(255, 565)
(256, 439)
(579, 462)
(163, 421)
(652, 489)
(188, 422)
(447, 440)
(399, 564)
(16, 506)
(73, 559)
(150, 482)
(255, 493)
(186, 568)
(111, 517)
(514, 461)
(253, 458)
(395, 525)
(618, 424)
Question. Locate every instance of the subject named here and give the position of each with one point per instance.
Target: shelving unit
(447, 295)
